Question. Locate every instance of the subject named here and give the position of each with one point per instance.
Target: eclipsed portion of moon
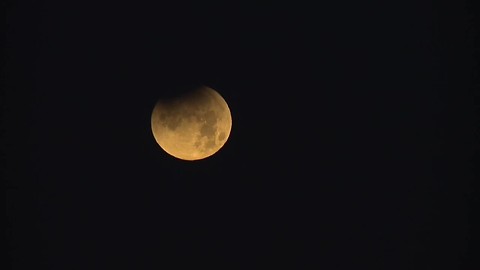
(192, 126)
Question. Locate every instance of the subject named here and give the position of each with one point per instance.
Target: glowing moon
(192, 126)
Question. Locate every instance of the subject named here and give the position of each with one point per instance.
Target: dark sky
(352, 147)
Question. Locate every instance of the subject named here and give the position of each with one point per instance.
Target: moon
(192, 126)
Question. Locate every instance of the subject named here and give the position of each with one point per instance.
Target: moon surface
(192, 126)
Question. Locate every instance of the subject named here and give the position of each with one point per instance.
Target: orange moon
(192, 126)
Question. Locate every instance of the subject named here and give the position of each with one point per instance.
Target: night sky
(354, 142)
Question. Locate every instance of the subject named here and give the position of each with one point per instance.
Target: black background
(353, 145)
